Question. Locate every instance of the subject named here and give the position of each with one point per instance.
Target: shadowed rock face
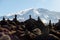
(52, 37)
(37, 31)
(57, 25)
(4, 37)
(30, 29)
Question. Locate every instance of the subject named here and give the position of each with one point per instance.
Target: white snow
(45, 16)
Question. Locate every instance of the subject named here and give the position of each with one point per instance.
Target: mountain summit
(44, 14)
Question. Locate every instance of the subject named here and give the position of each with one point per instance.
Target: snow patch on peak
(35, 11)
(44, 14)
(44, 20)
(19, 12)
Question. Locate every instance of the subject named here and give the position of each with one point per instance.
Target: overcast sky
(10, 6)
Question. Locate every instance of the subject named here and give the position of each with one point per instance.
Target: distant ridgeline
(31, 25)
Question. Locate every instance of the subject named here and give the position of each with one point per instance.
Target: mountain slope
(44, 14)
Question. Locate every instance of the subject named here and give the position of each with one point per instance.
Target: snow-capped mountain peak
(44, 14)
